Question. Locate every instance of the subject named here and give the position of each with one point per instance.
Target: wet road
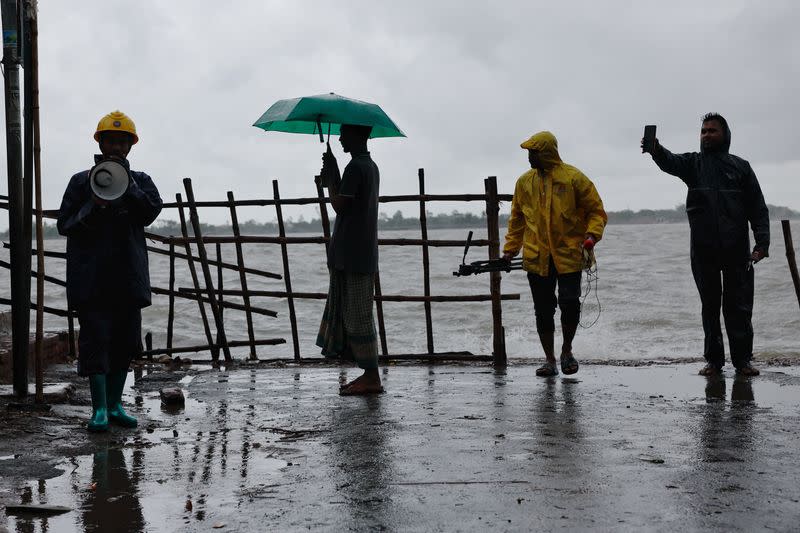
(447, 448)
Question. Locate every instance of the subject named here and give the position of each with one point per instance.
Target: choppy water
(650, 309)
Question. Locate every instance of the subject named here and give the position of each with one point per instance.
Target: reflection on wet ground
(446, 448)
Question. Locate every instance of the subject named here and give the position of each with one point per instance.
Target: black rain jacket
(724, 195)
(106, 252)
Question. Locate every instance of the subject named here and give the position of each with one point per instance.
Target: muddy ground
(446, 448)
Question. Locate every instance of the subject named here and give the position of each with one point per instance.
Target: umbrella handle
(319, 129)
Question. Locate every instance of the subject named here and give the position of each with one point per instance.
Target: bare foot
(367, 383)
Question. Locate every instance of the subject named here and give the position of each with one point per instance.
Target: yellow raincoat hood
(551, 212)
(545, 145)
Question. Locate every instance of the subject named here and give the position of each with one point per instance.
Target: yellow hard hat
(116, 121)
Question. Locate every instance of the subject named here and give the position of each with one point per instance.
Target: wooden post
(379, 309)
(286, 274)
(201, 252)
(787, 239)
(426, 271)
(242, 277)
(220, 288)
(493, 228)
(171, 313)
(195, 280)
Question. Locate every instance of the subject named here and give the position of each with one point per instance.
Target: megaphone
(109, 180)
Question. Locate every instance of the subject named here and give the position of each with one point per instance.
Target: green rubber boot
(116, 384)
(99, 420)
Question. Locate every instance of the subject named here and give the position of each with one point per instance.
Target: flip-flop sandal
(569, 365)
(347, 392)
(547, 370)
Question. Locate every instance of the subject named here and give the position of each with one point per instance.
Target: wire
(592, 278)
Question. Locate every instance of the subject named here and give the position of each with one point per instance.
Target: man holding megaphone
(103, 215)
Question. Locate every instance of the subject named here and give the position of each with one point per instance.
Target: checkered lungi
(347, 330)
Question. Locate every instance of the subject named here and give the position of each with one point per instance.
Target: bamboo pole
(193, 273)
(171, 313)
(381, 199)
(33, 26)
(204, 347)
(201, 252)
(242, 276)
(426, 269)
(435, 358)
(261, 239)
(323, 213)
(45, 309)
(492, 223)
(228, 266)
(378, 297)
(46, 253)
(220, 298)
(34, 274)
(286, 274)
(192, 295)
(787, 239)
(379, 310)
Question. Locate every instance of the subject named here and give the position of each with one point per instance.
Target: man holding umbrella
(348, 327)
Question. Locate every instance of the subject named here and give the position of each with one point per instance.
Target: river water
(649, 308)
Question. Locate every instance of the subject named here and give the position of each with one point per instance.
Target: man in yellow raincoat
(556, 211)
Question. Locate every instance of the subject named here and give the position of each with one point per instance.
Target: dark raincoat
(724, 195)
(106, 251)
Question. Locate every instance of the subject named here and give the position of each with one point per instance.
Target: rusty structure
(213, 299)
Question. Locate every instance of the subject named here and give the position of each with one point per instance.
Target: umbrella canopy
(325, 113)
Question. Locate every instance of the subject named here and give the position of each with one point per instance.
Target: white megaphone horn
(109, 180)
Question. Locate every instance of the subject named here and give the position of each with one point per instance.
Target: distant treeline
(455, 219)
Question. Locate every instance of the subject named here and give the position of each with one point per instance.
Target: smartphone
(649, 138)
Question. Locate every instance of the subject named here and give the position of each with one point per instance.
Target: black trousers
(543, 290)
(109, 339)
(731, 286)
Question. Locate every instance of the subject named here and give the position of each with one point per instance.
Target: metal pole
(17, 219)
(33, 90)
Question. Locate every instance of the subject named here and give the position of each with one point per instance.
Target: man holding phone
(723, 197)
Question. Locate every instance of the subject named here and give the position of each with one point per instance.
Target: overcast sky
(467, 81)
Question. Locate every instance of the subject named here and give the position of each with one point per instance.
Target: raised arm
(77, 210)
(680, 165)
